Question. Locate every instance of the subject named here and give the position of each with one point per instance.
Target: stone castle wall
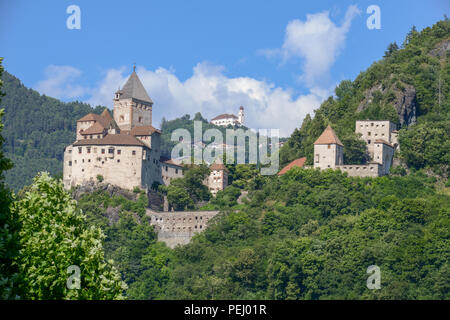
(178, 227)
(363, 170)
(124, 170)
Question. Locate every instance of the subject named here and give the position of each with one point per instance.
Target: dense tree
(9, 246)
(54, 237)
(418, 66)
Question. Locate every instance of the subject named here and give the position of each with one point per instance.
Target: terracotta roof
(328, 136)
(111, 139)
(104, 119)
(89, 117)
(224, 116)
(296, 163)
(143, 131)
(384, 142)
(94, 129)
(218, 167)
(171, 162)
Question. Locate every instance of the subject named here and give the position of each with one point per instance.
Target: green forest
(308, 234)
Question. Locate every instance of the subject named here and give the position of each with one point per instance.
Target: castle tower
(328, 150)
(132, 105)
(241, 115)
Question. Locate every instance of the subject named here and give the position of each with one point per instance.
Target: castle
(229, 119)
(381, 139)
(124, 150)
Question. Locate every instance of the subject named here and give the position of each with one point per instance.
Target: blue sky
(279, 59)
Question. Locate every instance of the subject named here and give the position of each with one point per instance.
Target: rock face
(441, 49)
(405, 102)
(406, 105)
(155, 200)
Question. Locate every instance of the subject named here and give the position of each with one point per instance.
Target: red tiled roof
(104, 119)
(224, 116)
(143, 131)
(89, 117)
(96, 128)
(296, 163)
(111, 139)
(218, 167)
(328, 136)
(171, 162)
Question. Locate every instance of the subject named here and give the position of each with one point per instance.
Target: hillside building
(378, 135)
(124, 150)
(381, 139)
(229, 119)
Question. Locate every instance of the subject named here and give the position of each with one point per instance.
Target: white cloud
(210, 92)
(318, 41)
(59, 82)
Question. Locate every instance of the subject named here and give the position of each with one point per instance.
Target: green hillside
(409, 86)
(308, 234)
(312, 234)
(37, 128)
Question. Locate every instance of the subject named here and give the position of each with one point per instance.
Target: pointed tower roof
(133, 88)
(328, 136)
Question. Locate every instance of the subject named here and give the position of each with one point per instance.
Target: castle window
(368, 133)
(329, 146)
(121, 118)
(140, 119)
(82, 160)
(317, 158)
(70, 151)
(133, 152)
(88, 150)
(167, 168)
(368, 141)
(176, 171)
(70, 163)
(98, 136)
(119, 151)
(85, 137)
(103, 151)
(79, 149)
(82, 170)
(111, 151)
(118, 160)
(371, 124)
(90, 137)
